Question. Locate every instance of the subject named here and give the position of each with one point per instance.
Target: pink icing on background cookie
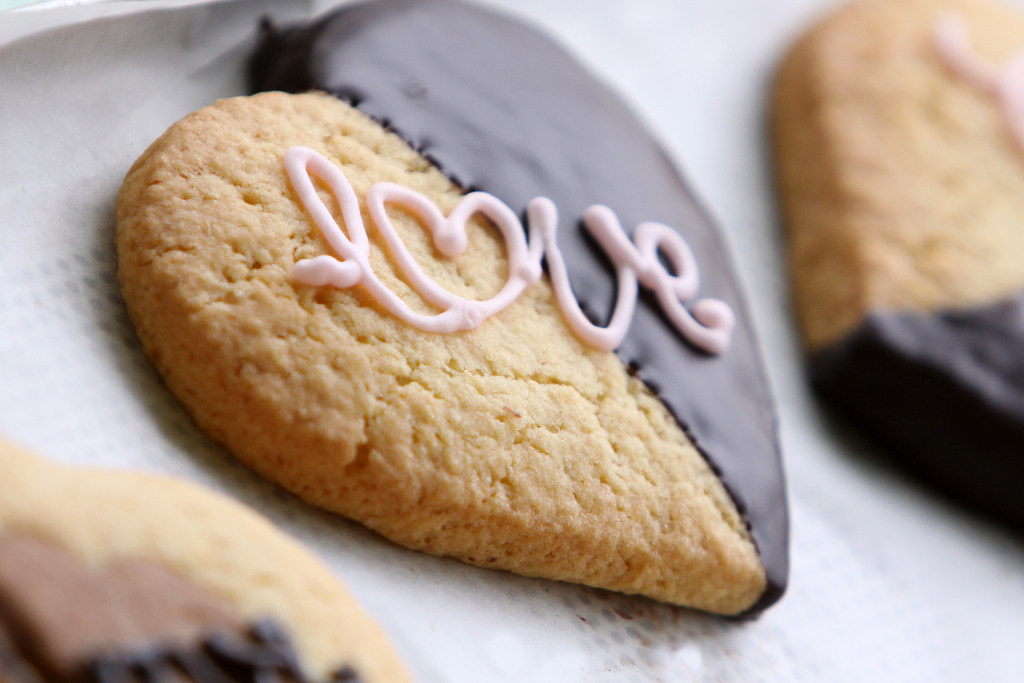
(1005, 84)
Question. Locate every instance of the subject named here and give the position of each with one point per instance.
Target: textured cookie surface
(510, 446)
(903, 189)
(111, 560)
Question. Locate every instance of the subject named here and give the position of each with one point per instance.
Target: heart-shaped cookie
(903, 186)
(510, 112)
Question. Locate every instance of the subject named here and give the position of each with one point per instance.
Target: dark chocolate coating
(266, 656)
(500, 107)
(944, 394)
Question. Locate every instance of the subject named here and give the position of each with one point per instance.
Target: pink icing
(709, 327)
(1005, 84)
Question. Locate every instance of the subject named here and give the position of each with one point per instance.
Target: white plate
(888, 584)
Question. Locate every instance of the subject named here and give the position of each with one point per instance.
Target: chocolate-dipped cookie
(350, 342)
(902, 178)
(115, 576)
(512, 113)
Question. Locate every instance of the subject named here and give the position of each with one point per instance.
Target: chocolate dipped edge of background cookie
(943, 394)
(62, 621)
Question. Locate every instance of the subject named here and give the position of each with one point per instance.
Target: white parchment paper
(888, 583)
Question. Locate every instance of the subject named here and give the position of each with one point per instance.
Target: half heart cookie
(117, 576)
(328, 304)
(897, 131)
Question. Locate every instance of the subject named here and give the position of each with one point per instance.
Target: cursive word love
(708, 326)
(1005, 84)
